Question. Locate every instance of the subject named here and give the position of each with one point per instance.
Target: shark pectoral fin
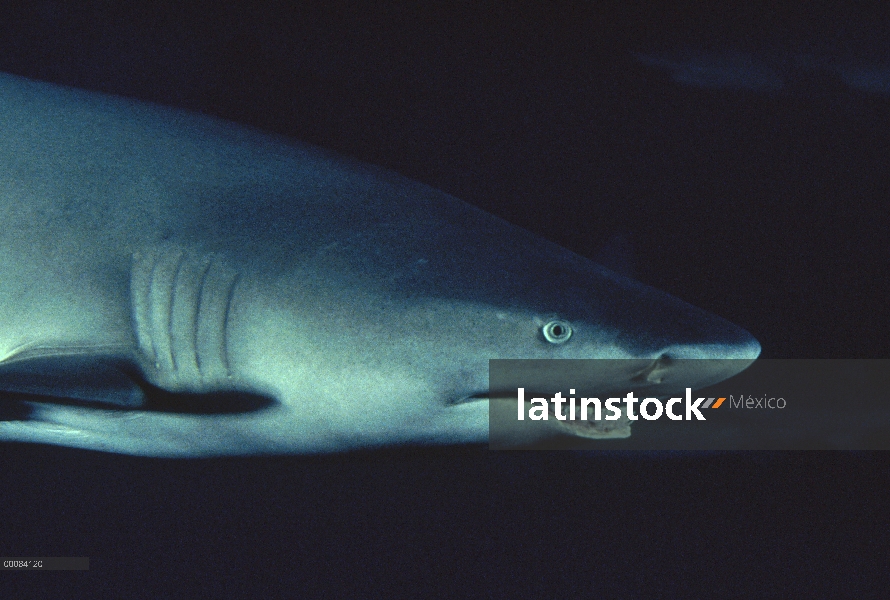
(85, 428)
(38, 432)
(145, 433)
(62, 373)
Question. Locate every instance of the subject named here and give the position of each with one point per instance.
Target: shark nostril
(655, 371)
(665, 360)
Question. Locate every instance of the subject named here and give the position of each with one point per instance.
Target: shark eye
(557, 332)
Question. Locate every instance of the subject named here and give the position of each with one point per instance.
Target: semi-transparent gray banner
(674, 404)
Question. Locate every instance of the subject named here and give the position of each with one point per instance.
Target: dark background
(768, 209)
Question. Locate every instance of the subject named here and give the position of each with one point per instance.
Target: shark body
(791, 73)
(176, 285)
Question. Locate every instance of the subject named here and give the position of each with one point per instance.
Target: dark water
(768, 209)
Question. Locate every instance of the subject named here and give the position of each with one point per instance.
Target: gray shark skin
(175, 285)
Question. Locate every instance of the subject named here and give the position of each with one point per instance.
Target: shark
(175, 285)
(786, 72)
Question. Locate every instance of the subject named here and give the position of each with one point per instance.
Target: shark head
(401, 320)
(224, 291)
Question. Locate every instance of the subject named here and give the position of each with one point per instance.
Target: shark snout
(687, 345)
(696, 363)
(663, 325)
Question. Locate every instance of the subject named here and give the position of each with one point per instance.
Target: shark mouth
(474, 397)
(487, 394)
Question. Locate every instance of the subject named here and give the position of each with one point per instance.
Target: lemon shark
(787, 72)
(172, 284)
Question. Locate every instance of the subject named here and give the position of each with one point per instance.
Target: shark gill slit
(183, 301)
(172, 303)
(214, 301)
(181, 304)
(138, 296)
(195, 305)
(225, 324)
(161, 290)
